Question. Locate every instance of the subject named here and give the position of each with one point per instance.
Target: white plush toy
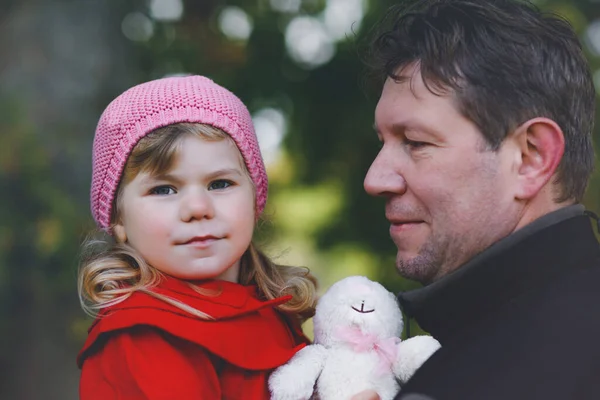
(357, 326)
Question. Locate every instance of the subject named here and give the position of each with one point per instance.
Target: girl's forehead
(216, 151)
(192, 153)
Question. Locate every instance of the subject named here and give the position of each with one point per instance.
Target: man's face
(448, 197)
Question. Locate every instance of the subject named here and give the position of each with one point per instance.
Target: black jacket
(520, 321)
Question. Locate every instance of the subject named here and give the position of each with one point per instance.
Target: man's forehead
(410, 77)
(413, 83)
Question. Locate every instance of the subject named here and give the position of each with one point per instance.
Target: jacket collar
(245, 330)
(548, 247)
(217, 298)
(211, 290)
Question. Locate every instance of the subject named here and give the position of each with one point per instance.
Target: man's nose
(197, 205)
(384, 177)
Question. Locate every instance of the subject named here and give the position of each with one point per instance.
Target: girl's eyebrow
(160, 177)
(173, 178)
(224, 171)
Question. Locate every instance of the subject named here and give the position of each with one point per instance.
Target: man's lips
(401, 226)
(396, 221)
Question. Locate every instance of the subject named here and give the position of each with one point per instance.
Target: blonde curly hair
(111, 271)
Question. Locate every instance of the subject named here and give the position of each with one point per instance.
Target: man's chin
(416, 268)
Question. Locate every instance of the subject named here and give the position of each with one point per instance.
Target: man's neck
(540, 251)
(551, 218)
(543, 205)
(545, 221)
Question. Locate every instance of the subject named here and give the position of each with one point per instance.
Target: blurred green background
(293, 62)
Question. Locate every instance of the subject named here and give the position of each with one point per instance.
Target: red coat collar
(222, 300)
(264, 339)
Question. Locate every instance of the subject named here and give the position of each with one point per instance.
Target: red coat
(145, 348)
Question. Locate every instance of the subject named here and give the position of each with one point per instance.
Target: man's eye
(414, 144)
(162, 190)
(219, 184)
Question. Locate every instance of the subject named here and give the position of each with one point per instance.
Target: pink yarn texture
(155, 104)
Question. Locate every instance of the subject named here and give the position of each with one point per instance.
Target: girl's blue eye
(162, 190)
(219, 184)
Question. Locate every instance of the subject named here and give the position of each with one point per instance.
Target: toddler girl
(186, 306)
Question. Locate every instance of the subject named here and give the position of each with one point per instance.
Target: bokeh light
(166, 10)
(592, 37)
(235, 23)
(286, 6)
(271, 127)
(137, 27)
(308, 42)
(597, 80)
(342, 17)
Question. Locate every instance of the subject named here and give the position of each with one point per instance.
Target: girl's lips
(201, 241)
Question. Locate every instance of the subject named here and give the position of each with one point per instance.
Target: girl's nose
(197, 206)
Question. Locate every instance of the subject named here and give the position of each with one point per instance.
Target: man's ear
(119, 232)
(542, 144)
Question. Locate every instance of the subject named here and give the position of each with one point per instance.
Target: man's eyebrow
(395, 128)
(398, 127)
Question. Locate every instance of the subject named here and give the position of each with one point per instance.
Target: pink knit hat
(152, 105)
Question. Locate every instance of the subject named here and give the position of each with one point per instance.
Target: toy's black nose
(362, 309)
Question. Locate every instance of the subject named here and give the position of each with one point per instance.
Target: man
(485, 119)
